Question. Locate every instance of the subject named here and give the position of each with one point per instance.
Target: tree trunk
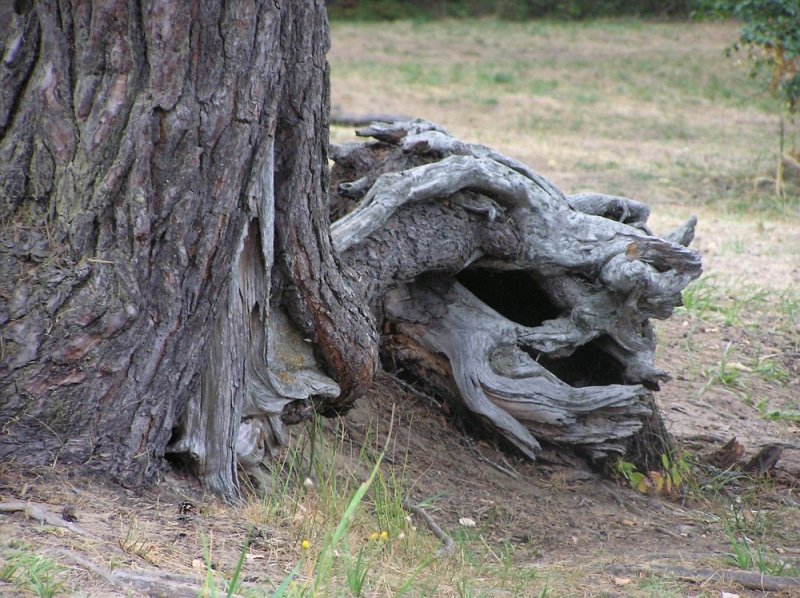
(171, 282)
(163, 167)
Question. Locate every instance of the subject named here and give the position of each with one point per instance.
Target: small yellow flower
(374, 537)
(384, 535)
(305, 545)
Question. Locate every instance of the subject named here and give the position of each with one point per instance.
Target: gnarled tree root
(528, 306)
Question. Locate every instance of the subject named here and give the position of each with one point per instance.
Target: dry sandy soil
(587, 534)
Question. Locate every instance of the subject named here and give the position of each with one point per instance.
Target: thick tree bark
(148, 151)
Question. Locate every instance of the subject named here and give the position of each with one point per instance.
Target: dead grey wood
(458, 208)
(752, 580)
(40, 513)
(501, 382)
(150, 583)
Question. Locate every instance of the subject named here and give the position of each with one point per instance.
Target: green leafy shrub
(771, 34)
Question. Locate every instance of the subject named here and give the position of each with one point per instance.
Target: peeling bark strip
(148, 151)
(539, 302)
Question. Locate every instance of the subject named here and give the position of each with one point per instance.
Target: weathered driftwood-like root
(607, 277)
(41, 514)
(503, 384)
(751, 580)
(586, 275)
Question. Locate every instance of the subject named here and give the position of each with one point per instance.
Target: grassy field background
(649, 110)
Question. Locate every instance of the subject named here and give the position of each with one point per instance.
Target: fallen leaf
(658, 480)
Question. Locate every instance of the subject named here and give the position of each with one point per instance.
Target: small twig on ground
(782, 500)
(788, 445)
(151, 583)
(497, 466)
(96, 569)
(415, 391)
(40, 513)
(665, 531)
(709, 438)
(749, 579)
(448, 546)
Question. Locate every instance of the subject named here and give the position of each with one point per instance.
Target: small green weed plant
(676, 473)
(36, 573)
(747, 555)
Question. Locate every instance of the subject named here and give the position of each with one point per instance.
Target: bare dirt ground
(584, 534)
(734, 358)
(769, 265)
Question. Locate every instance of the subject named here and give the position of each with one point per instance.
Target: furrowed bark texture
(528, 307)
(318, 297)
(147, 151)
